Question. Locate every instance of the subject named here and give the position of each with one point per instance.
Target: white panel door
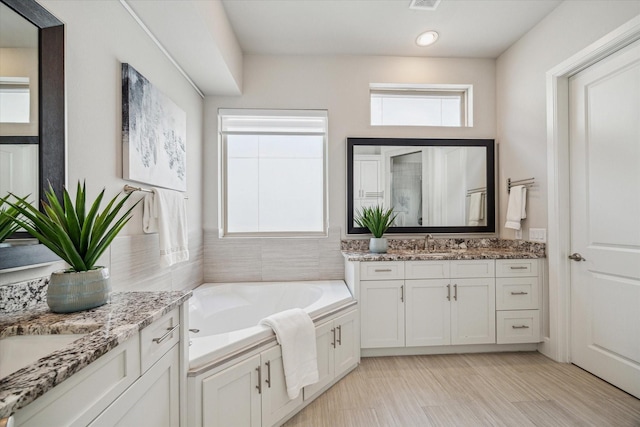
(473, 311)
(347, 347)
(428, 312)
(382, 313)
(275, 399)
(231, 397)
(605, 218)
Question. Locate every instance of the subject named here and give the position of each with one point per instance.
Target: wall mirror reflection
(32, 116)
(18, 105)
(433, 185)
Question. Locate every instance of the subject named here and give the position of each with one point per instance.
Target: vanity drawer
(426, 269)
(516, 327)
(382, 270)
(517, 293)
(473, 268)
(158, 338)
(516, 267)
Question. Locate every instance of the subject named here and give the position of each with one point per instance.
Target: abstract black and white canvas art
(154, 133)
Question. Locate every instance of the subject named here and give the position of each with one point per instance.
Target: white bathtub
(227, 315)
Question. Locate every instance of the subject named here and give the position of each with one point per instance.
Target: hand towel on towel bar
(476, 208)
(297, 337)
(517, 207)
(165, 213)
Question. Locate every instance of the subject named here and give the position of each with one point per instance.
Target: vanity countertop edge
(105, 327)
(466, 254)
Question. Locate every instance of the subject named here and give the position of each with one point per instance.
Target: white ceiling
(467, 28)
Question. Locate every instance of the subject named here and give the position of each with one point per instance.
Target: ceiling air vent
(424, 4)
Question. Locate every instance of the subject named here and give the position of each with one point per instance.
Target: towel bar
(526, 182)
(130, 189)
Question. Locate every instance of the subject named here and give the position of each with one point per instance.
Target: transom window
(273, 173)
(421, 105)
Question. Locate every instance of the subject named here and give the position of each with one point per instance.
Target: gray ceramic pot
(78, 290)
(378, 245)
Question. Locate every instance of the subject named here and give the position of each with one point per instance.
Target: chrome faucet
(426, 242)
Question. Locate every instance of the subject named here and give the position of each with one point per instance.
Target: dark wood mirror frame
(489, 144)
(51, 128)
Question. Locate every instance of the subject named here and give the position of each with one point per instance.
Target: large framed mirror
(433, 185)
(32, 137)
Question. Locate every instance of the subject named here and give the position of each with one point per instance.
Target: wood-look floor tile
(506, 389)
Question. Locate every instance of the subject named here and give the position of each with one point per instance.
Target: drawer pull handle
(518, 267)
(339, 340)
(520, 327)
(449, 292)
(519, 293)
(333, 343)
(382, 270)
(169, 332)
(455, 292)
(195, 331)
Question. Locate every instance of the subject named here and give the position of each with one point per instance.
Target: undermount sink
(19, 351)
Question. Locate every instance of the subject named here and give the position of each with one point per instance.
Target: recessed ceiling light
(427, 38)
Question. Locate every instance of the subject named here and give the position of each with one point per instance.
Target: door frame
(557, 344)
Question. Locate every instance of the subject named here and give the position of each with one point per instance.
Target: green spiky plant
(76, 235)
(7, 225)
(376, 218)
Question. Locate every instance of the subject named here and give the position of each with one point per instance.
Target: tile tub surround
(451, 249)
(106, 327)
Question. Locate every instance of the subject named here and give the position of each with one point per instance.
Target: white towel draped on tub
(165, 213)
(297, 337)
(517, 207)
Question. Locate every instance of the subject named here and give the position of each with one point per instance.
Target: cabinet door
(382, 313)
(275, 400)
(473, 311)
(347, 351)
(231, 397)
(153, 400)
(325, 342)
(428, 312)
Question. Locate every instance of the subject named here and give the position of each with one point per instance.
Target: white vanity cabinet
(518, 301)
(251, 393)
(428, 303)
(250, 389)
(136, 383)
(413, 304)
(338, 351)
(154, 399)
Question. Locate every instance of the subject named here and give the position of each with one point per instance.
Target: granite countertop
(451, 254)
(106, 327)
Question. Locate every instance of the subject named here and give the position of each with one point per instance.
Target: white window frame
(465, 91)
(292, 122)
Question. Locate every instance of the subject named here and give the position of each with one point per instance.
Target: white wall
(521, 89)
(521, 100)
(100, 35)
(339, 84)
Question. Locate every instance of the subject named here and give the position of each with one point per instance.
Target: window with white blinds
(273, 174)
(421, 105)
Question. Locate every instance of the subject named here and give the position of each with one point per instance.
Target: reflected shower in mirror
(433, 185)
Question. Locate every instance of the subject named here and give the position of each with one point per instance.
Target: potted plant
(77, 236)
(377, 219)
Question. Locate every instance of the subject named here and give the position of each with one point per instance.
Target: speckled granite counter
(105, 326)
(409, 255)
(453, 249)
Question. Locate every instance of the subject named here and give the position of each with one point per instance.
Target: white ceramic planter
(78, 290)
(378, 245)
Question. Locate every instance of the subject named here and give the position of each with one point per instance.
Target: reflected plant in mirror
(433, 185)
(7, 225)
